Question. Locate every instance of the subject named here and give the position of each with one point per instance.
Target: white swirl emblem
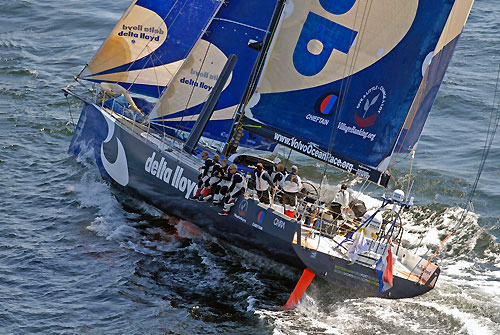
(119, 169)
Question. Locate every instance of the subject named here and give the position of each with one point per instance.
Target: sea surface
(79, 257)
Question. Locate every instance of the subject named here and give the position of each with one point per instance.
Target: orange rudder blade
(300, 289)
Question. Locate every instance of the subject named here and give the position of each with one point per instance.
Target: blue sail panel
(348, 88)
(433, 77)
(235, 26)
(150, 43)
(425, 99)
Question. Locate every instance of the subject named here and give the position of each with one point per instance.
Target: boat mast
(236, 130)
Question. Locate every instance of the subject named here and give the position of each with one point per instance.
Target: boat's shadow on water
(210, 279)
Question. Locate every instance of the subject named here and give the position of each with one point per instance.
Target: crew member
(342, 197)
(211, 180)
(203, 176)
(222, 186)
(263, 183)
(278, 175)
(291, 186)
(237, 188)
(275, 169)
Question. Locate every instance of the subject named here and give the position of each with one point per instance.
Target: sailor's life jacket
(262, 181)
(238, 183)
(277, 177)
(342, 197)
(225, 177)
(291, 183)
(207, 168)
(214, 172)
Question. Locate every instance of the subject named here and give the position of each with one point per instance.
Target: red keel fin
(300, 289)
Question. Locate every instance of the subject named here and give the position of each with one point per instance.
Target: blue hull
(167, 179)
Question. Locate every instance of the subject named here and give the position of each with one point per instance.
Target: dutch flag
(384, 270)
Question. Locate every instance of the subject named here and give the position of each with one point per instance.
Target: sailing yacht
(349, 83)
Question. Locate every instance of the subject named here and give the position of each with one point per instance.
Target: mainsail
(234, 30)
(150, 43)
(342, 76)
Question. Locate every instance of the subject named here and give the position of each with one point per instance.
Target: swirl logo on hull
(119, 169)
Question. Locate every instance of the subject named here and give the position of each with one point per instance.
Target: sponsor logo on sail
(324, 108)
(325, 104)
(138, 31)
(313, 150)
(314, 47)
(370, 106)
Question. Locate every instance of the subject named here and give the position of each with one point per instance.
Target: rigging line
(348, 69)
(263, 60)
(492, 128)
(70, 113)
(153, 52)
(344, 90)
(255, 76)
(490, 135)
(409, 176)
(417, 106)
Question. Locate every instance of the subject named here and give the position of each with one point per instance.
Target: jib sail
(150, 43)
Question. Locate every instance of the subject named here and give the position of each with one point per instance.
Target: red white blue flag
(384, 270)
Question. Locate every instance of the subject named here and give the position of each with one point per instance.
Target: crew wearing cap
(263, 183)
(291, 185)
(275, 169)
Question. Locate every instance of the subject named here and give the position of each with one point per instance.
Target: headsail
(233, 30)
(342, 77)
(150, 43)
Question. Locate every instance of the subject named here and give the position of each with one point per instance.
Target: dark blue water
(78, 257)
